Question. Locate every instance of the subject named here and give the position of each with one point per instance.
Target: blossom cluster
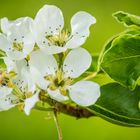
(41, 55)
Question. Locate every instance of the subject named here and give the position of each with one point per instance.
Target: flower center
(60, 39)
(6, 79)
(18, 46)
(21, 101)
(59, 81)
(20, 98)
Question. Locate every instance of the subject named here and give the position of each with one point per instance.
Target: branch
(75, 111)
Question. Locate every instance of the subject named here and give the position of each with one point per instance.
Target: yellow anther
(12, 74)
(6, 79)
(63, 91)
(59, 39)
(21, 106)
(29, 94)
(59, 82)
(28, 57)
(18, 46)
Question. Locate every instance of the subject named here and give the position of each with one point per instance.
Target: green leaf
(127, 19)
(118, 105)
(102, 79)
(2, 64)
(122, 60)
(133, 30)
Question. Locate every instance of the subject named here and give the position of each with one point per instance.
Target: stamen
(18, 46)
(6, 79)
(60, 39)
(59, 81)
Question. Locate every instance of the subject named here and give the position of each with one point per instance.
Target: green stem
(58, 126)
(43, 108)
(89, 77)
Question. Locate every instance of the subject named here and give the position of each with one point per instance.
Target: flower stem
(90, 76)
(75, 111)
(58, 126)
(43, 108)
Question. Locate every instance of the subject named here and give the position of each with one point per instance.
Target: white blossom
(59, 82)
(50, 34)
(17, 39)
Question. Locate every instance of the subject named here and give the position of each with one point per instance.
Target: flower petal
(21, 30)
(6, 102)
(21, 82)
(4, 25)
(15, 55)
(77, 62)
(45, 64)
(80, 24)
(17, 32)
(5, 45)
(30, 103)
(24, 78)
(45, 25)
(9, 63)
(49, 20)
(53, 50)
(38, 78)
(4, 91)
(84, 93)
(56, 95)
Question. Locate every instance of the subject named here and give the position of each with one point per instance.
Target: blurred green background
(15, 125)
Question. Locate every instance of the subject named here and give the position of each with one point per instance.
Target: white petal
(21, 30)
(28, 48)
(20, 65)
(45, 64)
(38, 78)
(56, 95)
(30, 103)
(48, 48)
(6, 102)
(9, 63)
(15, 55)
(49, 20)
(4, 91)
(24, 79)
(80, 24)
(53, 50)
(5, 45)
(21, 82)
(77, 62)
(26, 74)
(4, 25)
(84, 93)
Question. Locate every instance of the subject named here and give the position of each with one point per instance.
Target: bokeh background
(16, 125)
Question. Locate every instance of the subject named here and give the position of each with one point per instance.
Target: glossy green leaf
(122, 60)
(118, 105)
(133, 30)
(127, 19)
